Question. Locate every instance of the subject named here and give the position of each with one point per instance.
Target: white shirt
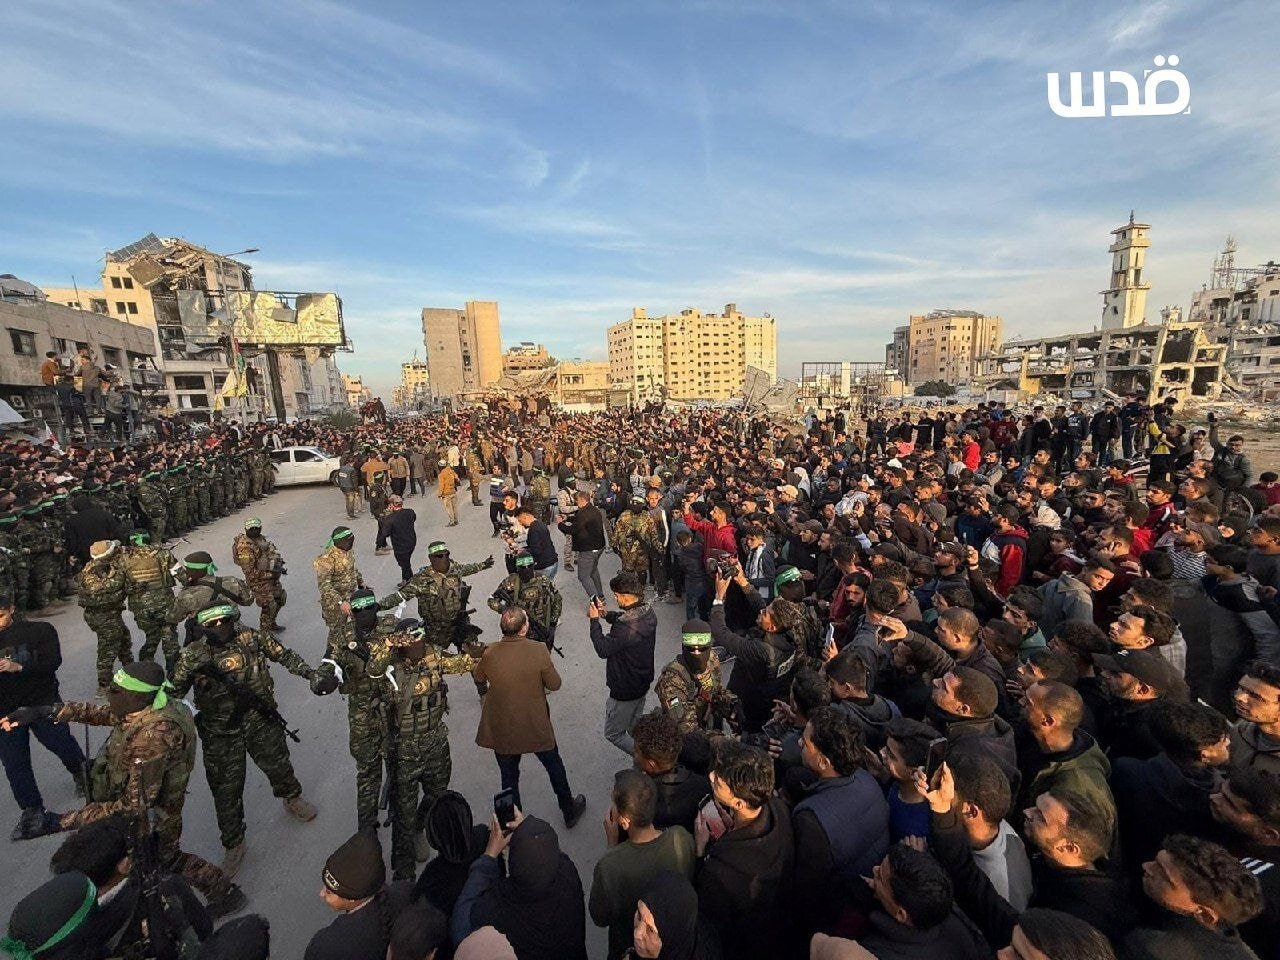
(1004, 861)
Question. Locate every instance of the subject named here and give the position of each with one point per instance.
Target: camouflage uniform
(101, 589)
(204, 494)
(255, 474)
(475, 473)
(149, 586)
(538, 597)
(120, 505)
(228, 729)
(46, 557)
(377, 496)
(191, 495)
(154, 506)
(18, 564)
(145, 763)
(205, 592)
(420, 758)
(261, 563)
(239, 482)
(635, 535)
(31, 543)
(218, 487)
(539, 495)
(695, 703)
(175, 483)
(367, 696)
(439, 597)
(337, 578)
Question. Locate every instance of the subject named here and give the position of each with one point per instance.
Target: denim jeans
(509, 766)
(695, 598)
(551, 571)
(15, 753)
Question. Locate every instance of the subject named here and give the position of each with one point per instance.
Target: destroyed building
(1173, 358)
(1240, 307)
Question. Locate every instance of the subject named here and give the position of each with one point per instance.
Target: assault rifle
(165, 921)
(537, 630)
(247, 700)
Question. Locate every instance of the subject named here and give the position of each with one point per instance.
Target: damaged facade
(1240, 307)
(1174, 358)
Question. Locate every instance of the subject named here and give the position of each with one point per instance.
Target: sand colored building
(945, 345)
(690, 355)
(464, 347)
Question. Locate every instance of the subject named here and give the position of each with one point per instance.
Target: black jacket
(627, 650)
(33, 645)
(1155, 798)
(1095, 897)
(538, 542)
(1186, 939)
(86, 527)
(585, 529)
(953, 939)
(398, 527)
(1124, 730)
(743, 883)
(680, 794)
(361, 935)
(762, 668)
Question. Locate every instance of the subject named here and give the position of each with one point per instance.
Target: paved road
(282, 867)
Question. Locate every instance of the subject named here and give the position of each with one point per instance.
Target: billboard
(268, 318)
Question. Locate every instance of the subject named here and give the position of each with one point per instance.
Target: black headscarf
(539, 905)
(457, 842)
(674, 905)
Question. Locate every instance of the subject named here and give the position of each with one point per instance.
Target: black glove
(37, 823)
(27, 715)
(488, 562)
(323, 684)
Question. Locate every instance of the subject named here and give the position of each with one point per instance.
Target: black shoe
(36, 822)
(574, 813)
(233, 901)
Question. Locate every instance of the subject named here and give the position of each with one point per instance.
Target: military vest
(101, 585)
(419, 695)
(147, 569)
(109, 774)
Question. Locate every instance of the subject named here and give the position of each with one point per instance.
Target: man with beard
(348, 667)
(144, 765)
(235, 697)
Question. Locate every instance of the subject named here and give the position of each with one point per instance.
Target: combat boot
(300, 809)
(573, 813)
(232, 859)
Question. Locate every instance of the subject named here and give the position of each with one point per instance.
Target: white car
(297, 465)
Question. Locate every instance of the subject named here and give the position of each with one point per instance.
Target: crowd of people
(949, 685)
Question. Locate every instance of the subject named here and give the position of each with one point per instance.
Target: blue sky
(837, 164)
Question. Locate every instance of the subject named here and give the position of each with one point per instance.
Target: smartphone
(710, 814)
(936, 757)
(598, 601)
(504, 808)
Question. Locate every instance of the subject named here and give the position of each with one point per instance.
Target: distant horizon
(839, 169)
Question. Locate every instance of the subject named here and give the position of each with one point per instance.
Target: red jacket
(713, 537)
(972, 455)
(1013, 552)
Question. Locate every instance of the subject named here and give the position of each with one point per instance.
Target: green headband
(437, 546)
(695, 639)
(138, 539)
(208, 567)
(340, 535)
(125, 682)
(253, 523)
(788, 575)
(19, 950)
(215, 613)
(364, 603)
(524, 561)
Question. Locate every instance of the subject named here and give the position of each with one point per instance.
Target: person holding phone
(743, 835)
(627, 650)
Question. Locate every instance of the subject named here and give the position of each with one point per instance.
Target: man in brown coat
(515, 718)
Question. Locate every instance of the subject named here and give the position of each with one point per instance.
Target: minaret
(1125, 303)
